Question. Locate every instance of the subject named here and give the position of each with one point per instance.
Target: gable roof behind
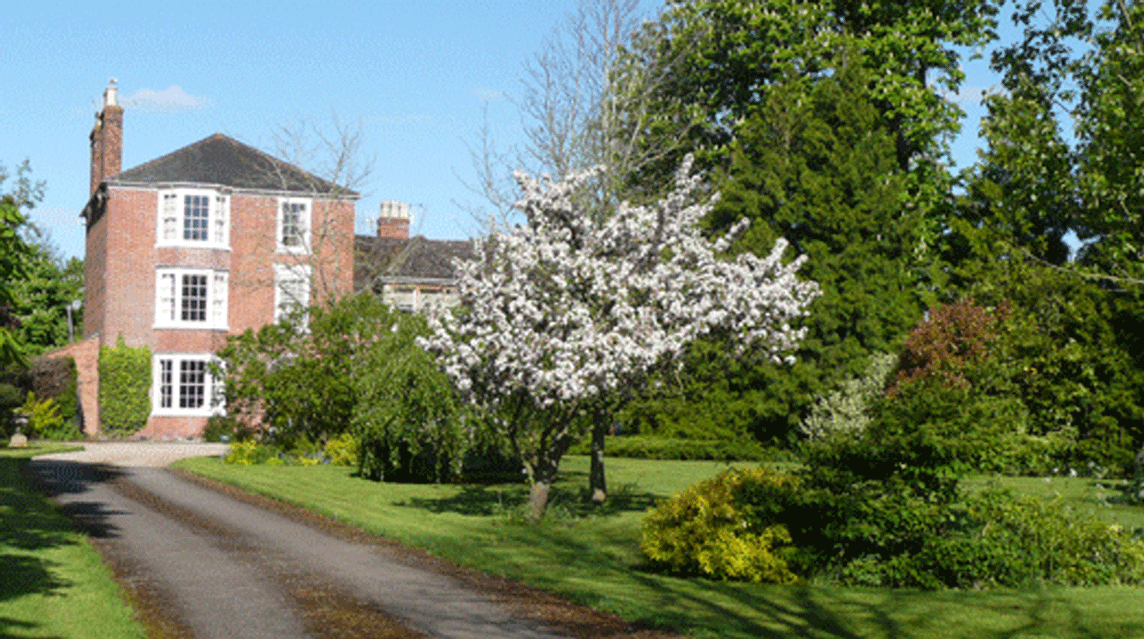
(225, 161)
(415, 260)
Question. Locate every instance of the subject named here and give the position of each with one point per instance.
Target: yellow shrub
(703, 529)
(343, 450)
(242, 453)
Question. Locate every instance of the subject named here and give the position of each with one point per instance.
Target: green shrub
(343, 450)
(124, 388)
(11, 397)
(56, 378)
(222, 428)
(706, 530)
(652, 447)
(1001, 539)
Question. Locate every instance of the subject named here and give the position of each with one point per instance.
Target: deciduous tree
(563, 316)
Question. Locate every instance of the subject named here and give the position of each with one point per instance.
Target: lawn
(592, 557)
(52, 582)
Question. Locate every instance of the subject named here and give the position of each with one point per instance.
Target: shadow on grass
(30, 525)
(845, 613)
(503, 499)
(21, 628)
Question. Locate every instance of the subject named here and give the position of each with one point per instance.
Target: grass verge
(591, 556)
(52, 582)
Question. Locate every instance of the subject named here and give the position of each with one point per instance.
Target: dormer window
(193, 218)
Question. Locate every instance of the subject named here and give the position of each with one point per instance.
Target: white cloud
(172, 98)
(486, 95)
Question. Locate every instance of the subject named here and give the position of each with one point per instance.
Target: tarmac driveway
(205, 564)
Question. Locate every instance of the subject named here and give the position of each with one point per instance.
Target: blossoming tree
(563, 315)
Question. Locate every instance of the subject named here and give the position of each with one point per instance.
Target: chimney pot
(110, 94)
(393, 220)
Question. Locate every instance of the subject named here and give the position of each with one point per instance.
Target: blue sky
(415, 73)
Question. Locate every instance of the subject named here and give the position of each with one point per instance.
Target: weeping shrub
(407, 417)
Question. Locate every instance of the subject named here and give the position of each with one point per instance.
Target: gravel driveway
(137, 454)
(207, 565)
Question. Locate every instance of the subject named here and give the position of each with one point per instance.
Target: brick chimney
(393, 220)
(107, 138)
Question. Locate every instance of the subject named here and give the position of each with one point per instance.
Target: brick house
(204, 242)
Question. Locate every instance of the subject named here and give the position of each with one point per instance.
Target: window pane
(293, 214)
(196, 217)
(165, 383)
(192, 383)
(194, 298)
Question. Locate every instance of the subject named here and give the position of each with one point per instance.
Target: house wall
(122, 259)
(94, 277)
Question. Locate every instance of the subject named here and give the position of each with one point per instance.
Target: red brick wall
(106, 145)
(94, 274)
(86, 356)
(129, 278)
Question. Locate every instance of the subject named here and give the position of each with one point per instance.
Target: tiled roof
(411, 260)
(225, 161)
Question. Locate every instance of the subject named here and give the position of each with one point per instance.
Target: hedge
(124, 388)
(644, 447)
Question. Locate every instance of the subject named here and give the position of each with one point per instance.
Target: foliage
(406, 418)
(299, 383)
(358, 372)
(1001, 539)
(124, 387)
(704, 530)
(246, 453)
(564, 315)
(815, 163)
(224, 428)
(14, 253)
(847, 408)
(723, 59)
(42, 296)
(651, 447)
(45, 420)
(954, 338)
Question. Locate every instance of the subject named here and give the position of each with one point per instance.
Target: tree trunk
(597, 484)
(538, 498)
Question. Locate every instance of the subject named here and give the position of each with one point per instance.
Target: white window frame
(284, 273)
(213, 397)
(170, 221)
(303, 246)
(169, 299)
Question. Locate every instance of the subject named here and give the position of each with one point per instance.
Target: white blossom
(567, 306)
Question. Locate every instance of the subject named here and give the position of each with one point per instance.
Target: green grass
(52, 582)
(592, 557)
